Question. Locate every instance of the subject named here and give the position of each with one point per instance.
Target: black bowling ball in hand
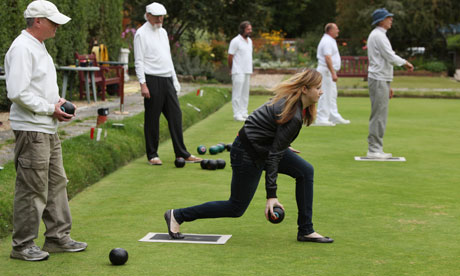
(278, 215)
(118, 256)
(68, 108)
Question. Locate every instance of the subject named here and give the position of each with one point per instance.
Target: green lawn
(387, 218)
(434, 83)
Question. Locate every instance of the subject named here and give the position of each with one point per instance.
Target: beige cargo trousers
(40, 191)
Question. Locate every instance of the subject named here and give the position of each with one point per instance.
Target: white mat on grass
(189, 238)
(391, 159)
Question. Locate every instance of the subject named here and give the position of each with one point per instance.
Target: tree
(201, 15)
(416, 23)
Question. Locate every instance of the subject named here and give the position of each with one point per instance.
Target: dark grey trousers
(379, 94)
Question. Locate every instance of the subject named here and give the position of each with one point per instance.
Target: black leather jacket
(266, 140)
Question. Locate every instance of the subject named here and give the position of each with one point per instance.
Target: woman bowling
(263, 144)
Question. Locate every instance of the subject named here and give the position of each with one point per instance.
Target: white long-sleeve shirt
(328, 47)
(152, 54)
(31, 85)
(381, 56)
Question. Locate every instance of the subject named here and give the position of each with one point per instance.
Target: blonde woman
(263, 144)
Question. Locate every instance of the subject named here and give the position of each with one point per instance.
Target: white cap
(42, 8)
(156, 9)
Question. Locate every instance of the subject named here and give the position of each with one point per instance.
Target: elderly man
(240, 65)
(328, 64)
(159, 85)
(382, 58)
(41, 181)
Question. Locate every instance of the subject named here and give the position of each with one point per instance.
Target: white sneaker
(379, 155)
(245, 116)
(323, 123)
(239, 118)
(341, 122)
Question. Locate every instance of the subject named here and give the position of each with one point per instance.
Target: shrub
(435, 66)
(90, 19)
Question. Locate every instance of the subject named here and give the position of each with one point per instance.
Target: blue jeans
(245, 178)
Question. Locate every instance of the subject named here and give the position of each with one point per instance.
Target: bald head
(332, 30)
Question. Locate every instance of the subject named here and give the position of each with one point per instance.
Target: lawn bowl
(118, 256)
(279, 215)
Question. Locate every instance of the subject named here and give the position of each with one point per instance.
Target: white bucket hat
(42, 8)
(156, 9)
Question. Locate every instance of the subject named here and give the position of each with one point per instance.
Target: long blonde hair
(291, 91)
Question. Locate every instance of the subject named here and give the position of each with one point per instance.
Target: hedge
(101, 20)
(87, 161)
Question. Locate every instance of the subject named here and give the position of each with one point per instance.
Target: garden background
(200, 31)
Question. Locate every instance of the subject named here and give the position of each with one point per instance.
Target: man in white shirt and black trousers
(382, 58)
(159, 85)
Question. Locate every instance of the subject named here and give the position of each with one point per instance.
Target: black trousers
(163, 99)
(245, 178)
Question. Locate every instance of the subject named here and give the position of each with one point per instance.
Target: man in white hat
(159, 85)
(382, 58)
(41, 181)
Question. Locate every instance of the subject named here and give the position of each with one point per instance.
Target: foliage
(213, 16)
(87, 161)
(91, 20)
(296, 17)
(416, 23)
(453, 42)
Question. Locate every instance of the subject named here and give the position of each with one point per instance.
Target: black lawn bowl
(68, 108)
(179, 162)
(212, 165)
(118, 256)
(204, 164)
(229, 147)
(220, 163)
(279, 214)
(214, 150)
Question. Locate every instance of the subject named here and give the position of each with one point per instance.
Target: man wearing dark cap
(159, 85)
(40, 191)
(382, 58)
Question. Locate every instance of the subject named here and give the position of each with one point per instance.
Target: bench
(353, 66)
(108, 75)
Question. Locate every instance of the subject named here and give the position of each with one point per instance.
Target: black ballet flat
(303, 238)
(176, 236)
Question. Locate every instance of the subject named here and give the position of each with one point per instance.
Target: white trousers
(327, 104)
(240, 94)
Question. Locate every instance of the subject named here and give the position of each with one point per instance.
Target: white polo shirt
(381, 56)
(31, 85)
(241, 49)
(328, 47)
(152, 54)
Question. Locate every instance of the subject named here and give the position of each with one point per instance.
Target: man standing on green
(41, 181)
(382, 58)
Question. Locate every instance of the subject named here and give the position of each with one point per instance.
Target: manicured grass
(387, 218)
(405, 82)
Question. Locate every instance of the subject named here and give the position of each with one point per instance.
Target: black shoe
(304, 238)
(176, 236)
